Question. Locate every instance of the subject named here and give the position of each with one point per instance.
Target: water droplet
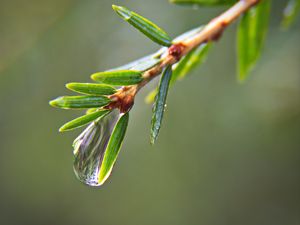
(89, 148)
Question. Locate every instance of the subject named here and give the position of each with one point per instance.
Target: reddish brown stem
(124, 98)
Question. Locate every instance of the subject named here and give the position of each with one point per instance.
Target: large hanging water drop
(90, 146)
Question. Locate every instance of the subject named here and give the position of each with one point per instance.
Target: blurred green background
(228, 154)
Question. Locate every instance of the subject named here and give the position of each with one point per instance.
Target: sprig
(144, 25)
(109, 101)
(91, 88)
(252, 30)
(160, 103)
(83, 120)
(118, 77)
(80, 102)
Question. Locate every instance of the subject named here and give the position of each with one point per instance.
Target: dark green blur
(227, 154)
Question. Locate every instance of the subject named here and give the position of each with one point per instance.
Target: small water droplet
(89, 148)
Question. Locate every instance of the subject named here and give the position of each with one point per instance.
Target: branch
(124, 98)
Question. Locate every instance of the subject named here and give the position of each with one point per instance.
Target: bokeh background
(227, 153)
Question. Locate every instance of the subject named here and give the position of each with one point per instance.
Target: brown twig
(124, 98)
